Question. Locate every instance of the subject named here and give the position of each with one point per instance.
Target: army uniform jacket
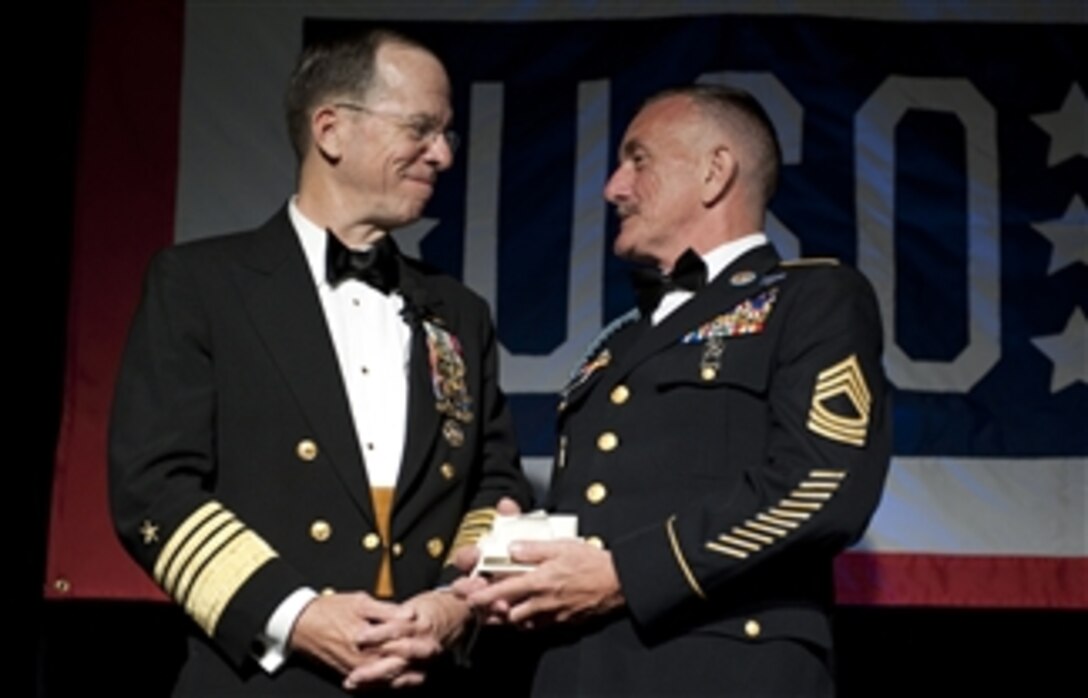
(723, 457)
(235, 472)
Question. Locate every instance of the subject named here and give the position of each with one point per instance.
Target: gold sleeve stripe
(474, 528)
(767, 518)
(202, 556)
(195, 541)
(181, 533)
(747, 545)
(810, 506)
(829, 474)
(809, 485)
(680, 560)
(479, 519)
(751, 535)
(802, 494)
(726, 550)
(774, 531)
(487, 513)
(217, 583)
(790, 514)
(474, 525)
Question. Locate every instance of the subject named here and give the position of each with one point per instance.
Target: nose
(440, 152)
(618, 186)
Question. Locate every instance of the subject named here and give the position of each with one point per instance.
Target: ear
(325, 126)
(719, 174)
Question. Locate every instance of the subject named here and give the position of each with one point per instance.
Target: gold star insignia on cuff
(149, 532)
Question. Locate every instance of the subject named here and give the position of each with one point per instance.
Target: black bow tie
(688, 274)
(376, 266)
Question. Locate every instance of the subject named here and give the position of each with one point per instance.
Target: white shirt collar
(313, 239)
(723, 255)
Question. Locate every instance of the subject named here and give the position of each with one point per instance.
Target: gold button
(372, 541)
(752, 629)
(62, 585)
(328, 591)
(306, 450)
(320, 531)
(596, 493)
(398, 550)
(435, 547)
(596, 542)
(608, 441)
(709, 373)
(620, 394)
(447, 470)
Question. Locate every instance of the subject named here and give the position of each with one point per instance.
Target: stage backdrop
(941, 152)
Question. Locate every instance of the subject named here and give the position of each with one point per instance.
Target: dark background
(129, 648)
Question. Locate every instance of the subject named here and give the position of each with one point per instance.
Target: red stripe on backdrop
(896, 579)
(124, 211)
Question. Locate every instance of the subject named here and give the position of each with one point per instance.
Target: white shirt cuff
(278, 629)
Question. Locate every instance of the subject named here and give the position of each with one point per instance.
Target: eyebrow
(630, 147)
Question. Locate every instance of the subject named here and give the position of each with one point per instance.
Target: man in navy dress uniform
(307, 423)
(719, 446)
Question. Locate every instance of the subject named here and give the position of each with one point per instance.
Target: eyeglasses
(422, 128)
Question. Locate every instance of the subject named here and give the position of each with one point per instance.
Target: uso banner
(943, 153)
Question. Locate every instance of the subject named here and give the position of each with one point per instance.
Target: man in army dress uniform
(306, 423)
(720, 446)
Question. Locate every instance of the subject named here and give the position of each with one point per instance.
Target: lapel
(279, 294)
(721, 294)
(424, 421)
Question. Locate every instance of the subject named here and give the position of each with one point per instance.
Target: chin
(625, 249)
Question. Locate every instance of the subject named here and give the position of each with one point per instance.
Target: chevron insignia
(840, 403)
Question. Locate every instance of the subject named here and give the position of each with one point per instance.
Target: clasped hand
(375, 642)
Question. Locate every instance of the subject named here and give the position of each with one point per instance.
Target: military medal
(453, 433)
(448, 373)
(711, 360)
(747, 317)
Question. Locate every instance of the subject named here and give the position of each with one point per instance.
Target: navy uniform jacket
(724, 457)
(235, 472)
